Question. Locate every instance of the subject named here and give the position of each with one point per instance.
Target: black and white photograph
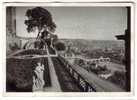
(68, 49)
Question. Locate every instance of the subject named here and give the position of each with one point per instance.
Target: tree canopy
(39, 18)
(60, 46)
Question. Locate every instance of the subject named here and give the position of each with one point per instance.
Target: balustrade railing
(82, 83)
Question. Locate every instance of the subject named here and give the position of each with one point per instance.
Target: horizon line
(70, 38)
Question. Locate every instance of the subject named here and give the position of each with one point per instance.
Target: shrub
(118, 78)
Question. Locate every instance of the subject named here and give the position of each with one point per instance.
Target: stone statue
(38, 81)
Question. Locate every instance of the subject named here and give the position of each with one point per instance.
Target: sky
(95, 23)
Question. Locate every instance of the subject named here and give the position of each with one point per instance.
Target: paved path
(61, 80)
(66, 81)
(55, 86)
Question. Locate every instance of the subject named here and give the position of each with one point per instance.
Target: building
(12, 42)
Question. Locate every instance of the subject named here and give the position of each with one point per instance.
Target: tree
(54, 39)
(40, 19)
(59, 46)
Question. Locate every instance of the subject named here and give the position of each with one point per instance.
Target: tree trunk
(38, 35)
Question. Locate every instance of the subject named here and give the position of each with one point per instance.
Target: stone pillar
(11, 21)
(127, 38)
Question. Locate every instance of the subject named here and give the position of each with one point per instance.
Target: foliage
(60, 46)
(14, 46)
(19, 73)
(118, 78)
(39, 18)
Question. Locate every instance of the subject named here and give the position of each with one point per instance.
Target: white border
(92, 4)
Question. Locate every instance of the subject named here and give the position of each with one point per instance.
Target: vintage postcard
(69, 48)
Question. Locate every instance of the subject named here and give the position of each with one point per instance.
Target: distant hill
(95, 43)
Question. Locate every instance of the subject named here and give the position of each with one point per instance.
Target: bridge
(59, 74)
